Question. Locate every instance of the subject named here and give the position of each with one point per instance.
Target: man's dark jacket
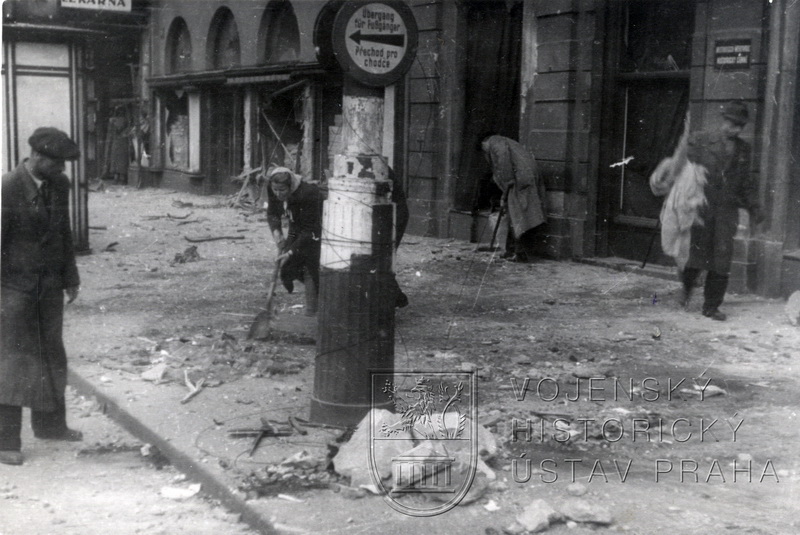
(37, 264)
(730, 186)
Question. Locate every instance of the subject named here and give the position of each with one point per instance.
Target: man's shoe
(11, 457)
(67, 435)
(401, 301)
(715, 315)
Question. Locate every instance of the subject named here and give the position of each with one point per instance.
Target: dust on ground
(156, 298)
(109, 483)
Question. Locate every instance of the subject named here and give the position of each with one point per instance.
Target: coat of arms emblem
(423, 455)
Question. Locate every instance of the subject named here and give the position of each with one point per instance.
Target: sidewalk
(143, 311)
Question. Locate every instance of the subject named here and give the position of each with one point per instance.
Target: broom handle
(274, 282)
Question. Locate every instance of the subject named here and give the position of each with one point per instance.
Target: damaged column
(356, 305)
(373, 44)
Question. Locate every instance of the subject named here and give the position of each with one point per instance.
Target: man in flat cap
(37, 269)
(729, 186)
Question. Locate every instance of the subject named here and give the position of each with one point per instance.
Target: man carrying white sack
(708, 180)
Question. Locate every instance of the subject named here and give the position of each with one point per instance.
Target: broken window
(281, 127)
(176, 131)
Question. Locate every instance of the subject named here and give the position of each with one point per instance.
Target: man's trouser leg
(48, 423)
(714, 290)
(689, 280)
(10, 428)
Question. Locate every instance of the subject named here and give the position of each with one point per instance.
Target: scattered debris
(707, 391)
(194, 388)
(170, 216)
(656, 334)
(537, 516)
(576, 489)
(178, 493)
(290, 498)
(189, 255)
(212, 238)
(491, 506)
(111, 247)
(153, 455)
(156, 373)
(302, 460)
(580, 510)
(350, 460)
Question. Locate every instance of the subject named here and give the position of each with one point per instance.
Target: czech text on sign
(377, 41)
(100, 5)
(732, 53)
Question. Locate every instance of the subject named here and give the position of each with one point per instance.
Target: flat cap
(53, 143)
(736, 112)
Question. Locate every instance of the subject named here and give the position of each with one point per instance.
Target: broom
(259, 329)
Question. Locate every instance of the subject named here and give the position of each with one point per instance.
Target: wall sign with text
(375, 42)
(732, 53)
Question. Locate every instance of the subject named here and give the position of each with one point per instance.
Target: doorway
(647, 99)
(224, 154)
(491, 100)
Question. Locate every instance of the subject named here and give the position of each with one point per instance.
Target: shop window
(179, 47)
(281, 126)
(181, 130)
(279, 35)
(223, 35)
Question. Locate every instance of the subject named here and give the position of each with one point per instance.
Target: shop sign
(99, 5)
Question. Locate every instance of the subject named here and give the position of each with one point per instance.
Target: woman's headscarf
(294, 178)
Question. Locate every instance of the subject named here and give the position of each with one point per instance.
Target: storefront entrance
(647, 100)
(225, 139)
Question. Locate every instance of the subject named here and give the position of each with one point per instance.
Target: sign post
(374, 45)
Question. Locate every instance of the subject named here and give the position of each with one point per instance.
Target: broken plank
(212, 238)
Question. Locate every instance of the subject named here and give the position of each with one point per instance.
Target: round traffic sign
(375, 42)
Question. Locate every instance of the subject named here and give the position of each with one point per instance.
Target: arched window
(179, 47)
(279, 35)
(223, 37)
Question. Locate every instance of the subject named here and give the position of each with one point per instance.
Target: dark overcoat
(515, 172)
(303, 208)
(730, 186)
(37, 264)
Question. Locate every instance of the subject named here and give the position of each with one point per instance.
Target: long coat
(514, 171)
(38, 263)
(303, 208)
(729, 186)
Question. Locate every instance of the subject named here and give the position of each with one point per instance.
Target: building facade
(237, 87)
(71, 65)
(598, 90)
